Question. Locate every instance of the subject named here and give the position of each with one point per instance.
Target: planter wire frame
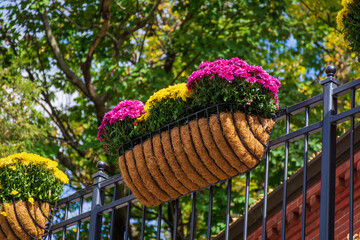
(49, 217)
(205, 113)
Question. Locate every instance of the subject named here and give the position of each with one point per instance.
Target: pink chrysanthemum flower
(125, 109)
(235, 68)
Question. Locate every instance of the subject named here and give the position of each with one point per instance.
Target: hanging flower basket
(216, 143)
(24, 220)
(228, 107)
(29, 187)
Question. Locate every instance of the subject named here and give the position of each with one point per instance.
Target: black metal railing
(91, 223)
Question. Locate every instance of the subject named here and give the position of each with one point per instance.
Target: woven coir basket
(25, 221)
(189, 157)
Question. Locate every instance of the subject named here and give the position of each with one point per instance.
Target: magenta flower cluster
(125, 109)
(235, 68)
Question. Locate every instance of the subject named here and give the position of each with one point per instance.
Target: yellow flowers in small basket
(29, 185)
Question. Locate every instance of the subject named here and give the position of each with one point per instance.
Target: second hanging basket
(206, 147)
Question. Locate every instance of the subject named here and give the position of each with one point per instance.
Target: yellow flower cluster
(340, 17)
(176, 91)
(34, 159)
(14, 192)
(31, 200)
(343, 13)
(61, 176)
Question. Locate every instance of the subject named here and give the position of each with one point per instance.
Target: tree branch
(187, 65)
(142, 44)
(328, 22)
(106, 14)
(143, 22)
(74, 168)
(139, 25)
(120, 6)
(58, 121)
(197, 55)
(77, 25)
(71, 76)
(87, 88)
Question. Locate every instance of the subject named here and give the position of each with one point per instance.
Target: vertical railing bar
(143, 223)
(66, 211)
(81, 205)
(193, 213)
(306, 138)
(113, 212)
(265, 193)
(159, 222)
(64, 233)
(246, 204)
(176, 218)
(228, 209)
(128, 215)
(98, 195)
(328, 156)
(211, 196)
(115, 191)
(78, 230)
(283, 224)
(81, 202)
(351, 197)
(66, 218)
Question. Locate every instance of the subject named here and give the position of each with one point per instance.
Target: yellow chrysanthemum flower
(51, 165)
(7, 205)
(176, 91)
(4, 214)
(61, 176)
(12, 167)
(14, 192)
(34, 159)
(31, 200)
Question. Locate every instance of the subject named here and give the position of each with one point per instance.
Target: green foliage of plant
(251, 96)
(348, 21)
(26, 176)
(29, 181)
(117, 134)
(163, 113)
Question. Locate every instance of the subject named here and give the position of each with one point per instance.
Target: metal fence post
(97, 201)
(328, 157)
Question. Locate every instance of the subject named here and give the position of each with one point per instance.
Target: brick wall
(294, 209)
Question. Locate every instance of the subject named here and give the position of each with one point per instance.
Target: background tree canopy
(65, 63)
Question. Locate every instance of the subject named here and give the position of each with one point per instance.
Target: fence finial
(330, 70)
(100, 175)
(101, 165)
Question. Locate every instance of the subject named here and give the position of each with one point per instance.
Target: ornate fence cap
(330, 72)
